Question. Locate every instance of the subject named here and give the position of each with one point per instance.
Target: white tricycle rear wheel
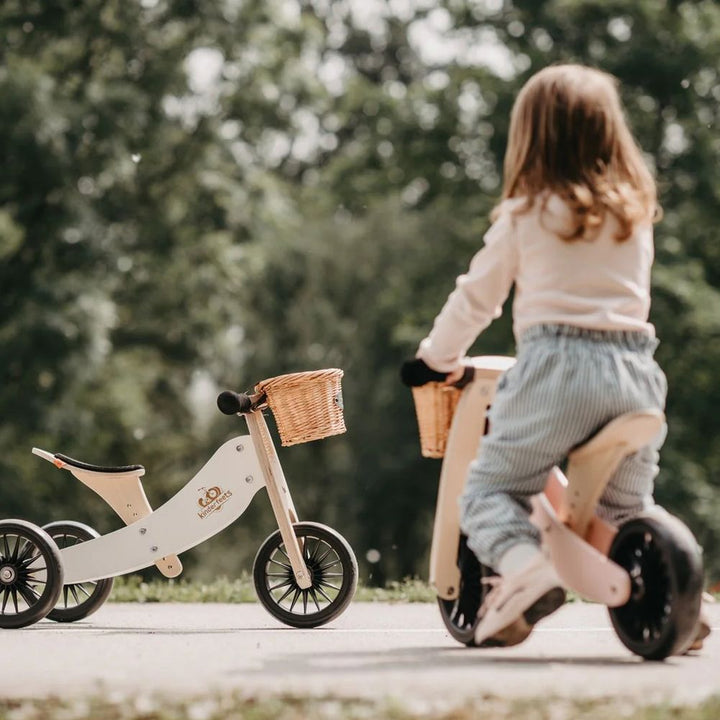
(77, 600)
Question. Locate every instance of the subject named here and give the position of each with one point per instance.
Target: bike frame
(463, 443)
(574, 537)
(213, 499)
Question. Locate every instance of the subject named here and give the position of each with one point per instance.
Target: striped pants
(567, 384)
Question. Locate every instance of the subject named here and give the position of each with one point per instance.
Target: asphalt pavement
(373, 650)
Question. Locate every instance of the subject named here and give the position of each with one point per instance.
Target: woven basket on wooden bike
(306, 405)
(435, 405)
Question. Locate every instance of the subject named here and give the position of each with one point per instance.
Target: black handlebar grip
(231, 403)
(414, 373)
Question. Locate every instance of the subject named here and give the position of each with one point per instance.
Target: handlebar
(232, 403)
(415, 373)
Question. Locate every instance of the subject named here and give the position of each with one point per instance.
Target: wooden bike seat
(628, 433)
(591, 465)
(121, 488)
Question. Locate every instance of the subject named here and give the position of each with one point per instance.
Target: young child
(574, 234)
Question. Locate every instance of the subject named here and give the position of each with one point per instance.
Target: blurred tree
(122, 211)
(205, 194)
(422, 100)
(353, 292)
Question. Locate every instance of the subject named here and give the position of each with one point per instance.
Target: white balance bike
(305, 573)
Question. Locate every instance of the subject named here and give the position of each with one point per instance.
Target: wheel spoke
(313, 555)
(28, 594)
(5, 599)
(32, 571)
(7, 547)
(29, 561)
(329, 585)
(330, 564)
(322, 592)
(13, 593)
(286, 593)
(14, 553)
(83, 589)
(27, 550)
(327, 552)
(314, 597)
(298, 592)
(287, 582)
(282, 565)
(73, 592)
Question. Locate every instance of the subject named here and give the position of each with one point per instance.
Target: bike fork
(279, 495)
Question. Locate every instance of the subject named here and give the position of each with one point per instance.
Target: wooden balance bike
(305, 574)
(648, 571)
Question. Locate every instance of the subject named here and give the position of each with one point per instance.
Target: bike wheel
(664, 562)
(31, 574)
(77, 600)
(460, 614)
(333, 573)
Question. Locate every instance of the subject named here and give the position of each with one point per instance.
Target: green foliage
(133, 588)
(200, 195)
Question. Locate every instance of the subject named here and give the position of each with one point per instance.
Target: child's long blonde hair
(568, 136)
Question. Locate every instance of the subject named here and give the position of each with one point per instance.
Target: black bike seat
(98, 468)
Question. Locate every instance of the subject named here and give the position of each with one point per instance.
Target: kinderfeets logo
(213, 499)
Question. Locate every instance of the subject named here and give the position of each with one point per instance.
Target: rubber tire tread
(103, 588)
(682, 559)
(347, 589)
(53, 587)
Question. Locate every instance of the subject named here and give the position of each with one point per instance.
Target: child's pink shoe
(517, 602)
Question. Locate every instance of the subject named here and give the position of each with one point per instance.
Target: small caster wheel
(666, 570)
(77, 600)
(31, 574)
(460, 613)
(333, 571)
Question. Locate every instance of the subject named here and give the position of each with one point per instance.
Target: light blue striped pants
(567, 384)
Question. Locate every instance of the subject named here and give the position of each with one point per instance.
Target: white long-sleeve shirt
(600, 284)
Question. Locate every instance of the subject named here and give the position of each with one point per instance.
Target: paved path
(373, 650)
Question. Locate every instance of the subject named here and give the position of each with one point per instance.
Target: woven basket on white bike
(435, 405)
(306, 405)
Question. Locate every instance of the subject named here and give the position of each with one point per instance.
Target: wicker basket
(307, 405)
(435, 404)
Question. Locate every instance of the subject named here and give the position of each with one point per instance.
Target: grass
(131, 588)
(236, 707)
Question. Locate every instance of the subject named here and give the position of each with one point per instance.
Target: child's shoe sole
(518, 630)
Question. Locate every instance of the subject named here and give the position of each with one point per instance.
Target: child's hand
(455, 376)
(461, 377)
